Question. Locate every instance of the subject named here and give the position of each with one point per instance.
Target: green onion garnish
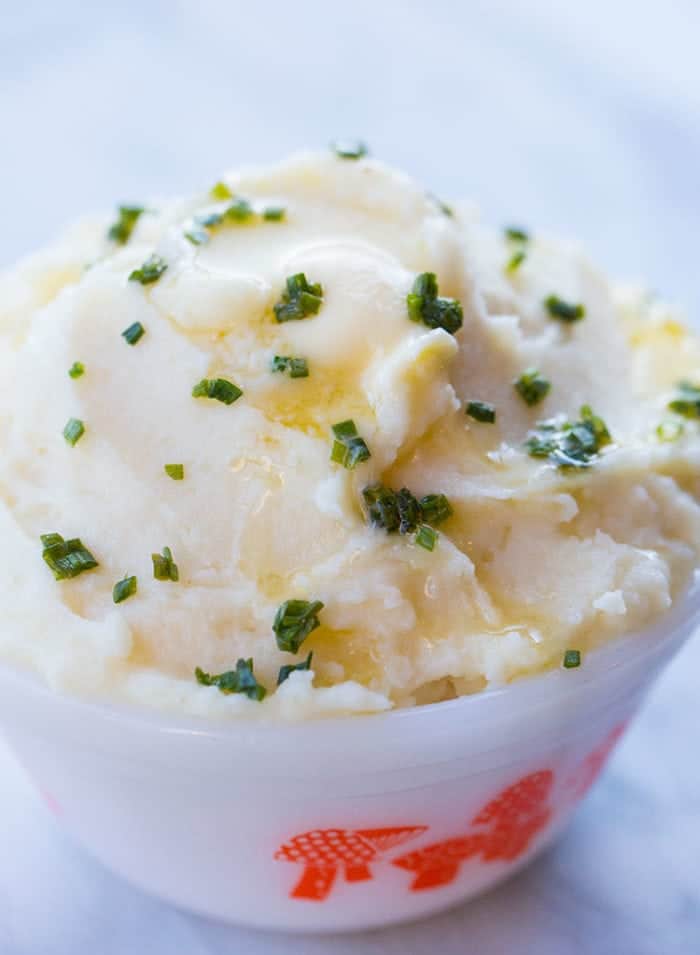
(669, 430)
(128, 216)
(348, 449)
(425, 305)
(426, 537)
(515, 261)
(294, 621)
(220, 191)
(687, 400)
(299, 299)
(442, 206)
(289, 668)
(66, 558)
(349, 149)
(401, 511)
(564, 311)
(531, 386)
(164, 567)
(297, 367)
(572, 659)
(240, 210)
(481, 411)
(133, 333)
(569, 444)
(124, 589)
(240, 680)
(73, 431)
(77, 369)
(516, 234)
(175, 471)
(150, 271)
(219, 389)
(274, 213)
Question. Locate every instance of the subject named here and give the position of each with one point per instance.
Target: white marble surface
(579, 117)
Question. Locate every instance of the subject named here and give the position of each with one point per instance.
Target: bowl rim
(530, 692)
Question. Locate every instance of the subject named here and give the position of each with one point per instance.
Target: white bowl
(337, 824)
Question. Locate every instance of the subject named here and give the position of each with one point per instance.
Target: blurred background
(582, 118)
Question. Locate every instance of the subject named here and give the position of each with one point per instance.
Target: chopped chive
(164, 567)
(426, 537)
(401, 511)
(299, 299)
(127, 217)
(531, 386)
(569, 444)
(442, 206)
(274, 213)
(73, 431)
(426, 306)
(294, 621)
(350, 149)
(133, 333)
(219, 389)
(290, 668)
(564, 311)
(348, 448)
(66, 558)
(687, 400)
(220, 191)
(297, 367)
(481, 411)
(240, 210)
(150, 271)
(124, 589)
(516, 234)
(572, 659)
(515, 261)
(197, 236)
(240, 680)
(77, 369)
(175, 471)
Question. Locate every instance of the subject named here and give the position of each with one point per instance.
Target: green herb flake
(572, 659)
(73, 431)
(516, 234)
(531, 386)
(218, 389)
(299, 299)
(564, 311)
(426, 306)
(197, 235)
(569, 444)
(442, 206)
(667, 431)
(290, 668)
(481, 411)
(76, 370)
(150, 271)
(66, 558)
(164, 567)
(687, 400)
(294, 621)
(220, 191)
(426, 537)
(350, 149)
(515, 261)
(297, 367)
(240, 210)
(401, 511)
(124, 589)
(175, 471)
(134, 333)
(240, 680)
(274, 213)
(348, 448)
(127, 217)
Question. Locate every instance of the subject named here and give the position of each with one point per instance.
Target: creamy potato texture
(534, 559)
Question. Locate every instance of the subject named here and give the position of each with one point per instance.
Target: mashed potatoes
(452, 540)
